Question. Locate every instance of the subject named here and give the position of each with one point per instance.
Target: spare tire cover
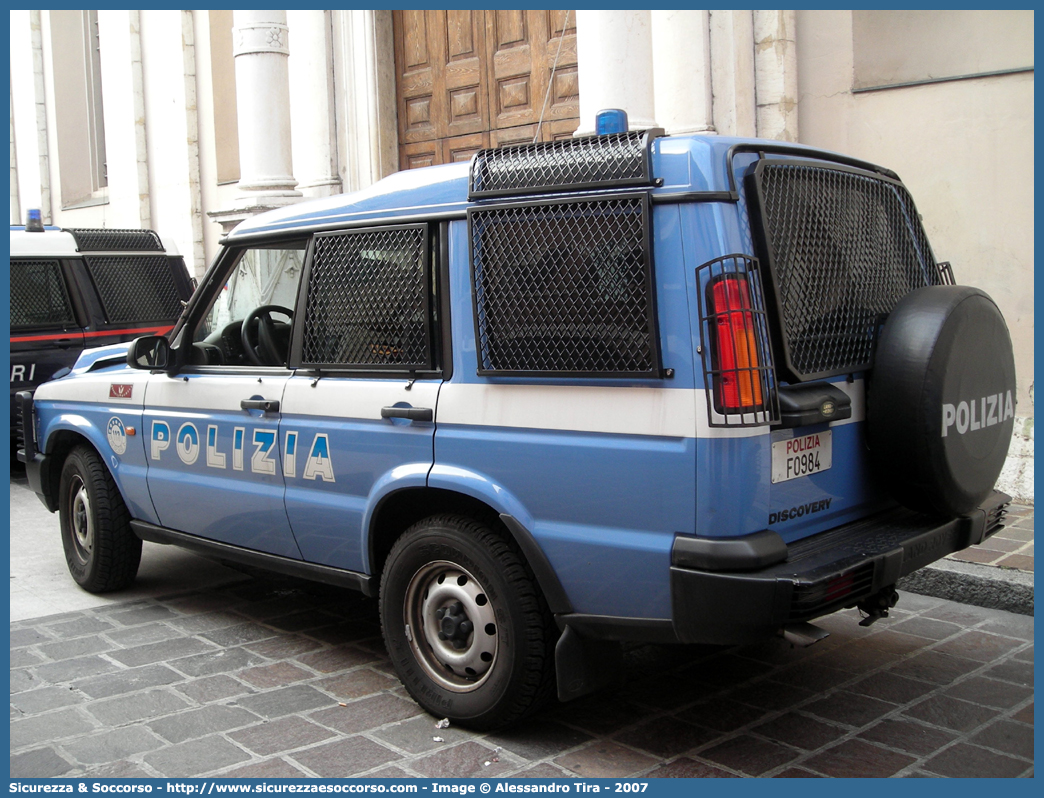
(941, 399)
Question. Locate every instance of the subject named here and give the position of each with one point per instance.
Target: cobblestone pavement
(1012, 547)
(274, 678)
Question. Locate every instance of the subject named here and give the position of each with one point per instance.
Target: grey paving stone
(164, 651)
(139, 706)
(28, 637)
(284, 734)
(196, 757)
(34, 702)
(128, 681)
(121, 769)
(72, 669)
(366, 713)
(206, 622)
(49, 727)
(268, 769)
(284, 701)
(213, 688)
(222, 660)
(77, 647)
(41, 763)
(142, 635)
(416, 735)
(23, 680)
(109, 746)
(239, 634)
(78, 627)
(344, 758)
(140, 615)
(22, 657)
(1011, 738)
(201, 722)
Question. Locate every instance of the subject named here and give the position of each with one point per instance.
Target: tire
(446, 572)
(940, 403)
(100, 549)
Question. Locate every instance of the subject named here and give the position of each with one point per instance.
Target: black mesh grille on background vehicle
(589, 162)
(564, 287)
(737, 358)
(843, 247)
(106, 240)
(38, 295)
(135, 288)
(368, 300)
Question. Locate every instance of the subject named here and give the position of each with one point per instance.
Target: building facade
(189, 121)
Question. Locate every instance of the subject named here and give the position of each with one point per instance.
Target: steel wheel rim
(440, 596)
(81, 520)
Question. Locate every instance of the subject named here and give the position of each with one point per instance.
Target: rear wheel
(100, 549)
(468, 632)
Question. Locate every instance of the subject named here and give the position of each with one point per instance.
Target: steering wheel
(258, 335)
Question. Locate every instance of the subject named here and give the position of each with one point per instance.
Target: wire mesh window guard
(115, 240)
(586, 162)
(38, 295)
(737, 359)
(135, 287)
(368, 300)
(565, 287)
(843, 247)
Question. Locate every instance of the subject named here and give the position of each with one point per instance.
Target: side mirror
(151, 352)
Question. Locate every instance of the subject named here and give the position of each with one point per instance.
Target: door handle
(412, 413)
(268, 405)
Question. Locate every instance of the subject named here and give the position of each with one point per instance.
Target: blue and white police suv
(622, 387)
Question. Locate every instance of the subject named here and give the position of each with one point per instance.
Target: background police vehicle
(79, 288)
(624, 387)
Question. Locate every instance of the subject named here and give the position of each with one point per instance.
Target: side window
(249, 320)
(369, 300)
(135, 288)
(565, 288)
(38, 295)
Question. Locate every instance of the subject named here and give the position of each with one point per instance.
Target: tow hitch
(877, 605)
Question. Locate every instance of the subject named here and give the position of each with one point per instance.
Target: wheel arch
(400, 509)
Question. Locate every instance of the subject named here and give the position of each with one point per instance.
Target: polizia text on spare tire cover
(619, 388)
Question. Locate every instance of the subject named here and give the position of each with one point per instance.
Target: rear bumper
(821, 574)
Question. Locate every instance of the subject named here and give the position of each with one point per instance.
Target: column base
(246, 207)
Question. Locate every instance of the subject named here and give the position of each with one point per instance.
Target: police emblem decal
(117, 435)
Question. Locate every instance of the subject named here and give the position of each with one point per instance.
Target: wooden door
(472, 79)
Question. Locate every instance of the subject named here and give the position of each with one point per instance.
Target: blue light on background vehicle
(33, 221)
(611, 120)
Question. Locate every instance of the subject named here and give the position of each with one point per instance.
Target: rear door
(46, 333)
(358, 415)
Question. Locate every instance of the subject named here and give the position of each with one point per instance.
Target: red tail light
(737, 376)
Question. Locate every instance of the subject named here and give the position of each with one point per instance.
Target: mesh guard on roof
(113, 240)
(617, 159)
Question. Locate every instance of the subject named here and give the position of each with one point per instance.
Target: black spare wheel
(941, 399)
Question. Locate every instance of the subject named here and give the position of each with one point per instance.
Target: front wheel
(468, 631)
(100, 549)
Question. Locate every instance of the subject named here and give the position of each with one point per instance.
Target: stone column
(681, 69)
(615, 66)
(732, 72)
(260, 46)
(311, 104)
(775, 65)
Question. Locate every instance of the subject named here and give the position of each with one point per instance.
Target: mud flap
(583, 665)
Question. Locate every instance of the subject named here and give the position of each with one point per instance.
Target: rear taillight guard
(737, 359)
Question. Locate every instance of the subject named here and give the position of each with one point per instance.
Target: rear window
(136, 288)
(38, 295)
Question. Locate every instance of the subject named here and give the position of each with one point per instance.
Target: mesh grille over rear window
(136, 288)
(843, 248)
(115, 240)
(564, 287)
(368, 300)
(38, 294)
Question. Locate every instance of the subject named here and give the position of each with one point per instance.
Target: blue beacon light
(611, 120)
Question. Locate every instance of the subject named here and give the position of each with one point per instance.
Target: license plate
(799, 457)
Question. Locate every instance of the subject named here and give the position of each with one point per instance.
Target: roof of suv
(685, 163)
